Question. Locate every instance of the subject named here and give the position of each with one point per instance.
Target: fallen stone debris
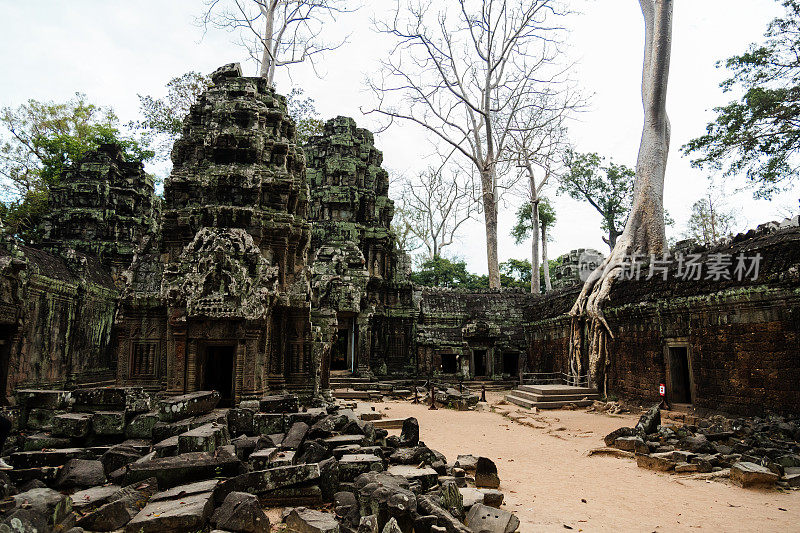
(751, 452)
(100, 461)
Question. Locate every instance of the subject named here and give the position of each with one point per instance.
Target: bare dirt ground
(552, 485)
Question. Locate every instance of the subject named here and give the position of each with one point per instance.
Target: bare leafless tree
(277, 33)
(644, 231)
(464, 73)
(435, 205)
(538, 142)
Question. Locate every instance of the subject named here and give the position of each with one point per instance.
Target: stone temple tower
(232, 310)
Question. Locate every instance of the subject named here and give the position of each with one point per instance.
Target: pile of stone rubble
(108, 459)
(751, 451)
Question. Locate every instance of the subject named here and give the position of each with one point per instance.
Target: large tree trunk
(545, 262)
(490, 220)
(644, 231)
(267, 59)
(536, 287)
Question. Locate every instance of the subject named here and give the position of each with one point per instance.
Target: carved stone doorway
(218, 371)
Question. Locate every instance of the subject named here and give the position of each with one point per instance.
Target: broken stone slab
(240, 421)
(302, 495)
(492, 497)
(23, 521)
(46, 399)
(281, 458)
(204, 439)
(40, 419)
(660, 462)
(121, 507)
(281, 403)
(612, 437)
(167, 447)
(343, 440)
(141, 426)
(486, 474)
(295, 436)
(73, 425)
(269, 423)
(425, 476)
(198, 487)
(246, 446)
(385, 495)
(353, 465)
(185, 468)
(484, 519)
(328, 477)
(428, 506)
(102, 398)
(36, 459)
(43, 441)
(470, 496)
(108, 423)
(50, 503)
(118, 456)
(94, 496)
(303, 520)
(271, 479)
(81, 473)
(187, 405)
(467, 462)
(649, 421)
(259, 460)
(164, 430)
(746, 474)
(791, 476)
(185, 513)
(631, 444)
(452, 500)
(241, 512)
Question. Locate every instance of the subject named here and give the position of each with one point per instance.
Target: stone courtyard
(250, 354)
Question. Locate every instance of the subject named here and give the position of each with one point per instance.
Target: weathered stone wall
(742, 338)
(57, 320)
(362, 296)
(475, 334)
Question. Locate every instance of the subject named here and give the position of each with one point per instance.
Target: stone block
(241, 512)
(204, 439)
(271, 479)
(259, 460)
(185, 513)
(189, 467)
(167, 447)
(44, 441)
(240, 421)
(352, 466)
(187, 405)
(295, 436)
(484, 519)
(120, 508)
(281, 458)
(282, 403)
(108, 423)
(81, 473)
(40, 418)
(48, 502)
(36, 459)
(141, 426)
(303, 520)
(269, 423)
(164, 430)
(94, 496)
(73, 425)
(660, 462)
(425, 476)
(746, 474)
(343, 440)
(486, 474)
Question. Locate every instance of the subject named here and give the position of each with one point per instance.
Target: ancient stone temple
(362, 297)
(220, 298)
(103, 205)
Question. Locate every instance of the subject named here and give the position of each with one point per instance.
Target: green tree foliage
(710, 221)
(758, 135)
(515, 273)
(305, 116)
(607, 188)
(523, 229)
(443, 272)
(162, 118)
(42, 139)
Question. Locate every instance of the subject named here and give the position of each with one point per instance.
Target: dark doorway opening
(6, 337)
(679, 375)
(339, 351)
(218, 372)
(449, 363)
(511, 363)
(479, 358)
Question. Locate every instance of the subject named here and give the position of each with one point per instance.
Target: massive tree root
(644, 230)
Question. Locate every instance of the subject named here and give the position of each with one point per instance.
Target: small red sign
(662, 389)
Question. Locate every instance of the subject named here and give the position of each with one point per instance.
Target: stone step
(356, 395)
(389, 423)
(556, 389)
(528, 404)
(554, 397)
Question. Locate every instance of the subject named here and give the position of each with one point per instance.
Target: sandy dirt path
(546, 474)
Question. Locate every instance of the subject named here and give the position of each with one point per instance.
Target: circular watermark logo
(588, 262)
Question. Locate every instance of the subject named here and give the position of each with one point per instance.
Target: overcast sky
(113, 49)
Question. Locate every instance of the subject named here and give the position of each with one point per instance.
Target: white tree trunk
(545, 262)
(536, 287)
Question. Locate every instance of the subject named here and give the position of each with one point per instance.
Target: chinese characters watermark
(686, 267)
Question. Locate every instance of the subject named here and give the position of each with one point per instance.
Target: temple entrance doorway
(679, 375)
(343, 350)
(511, 363)
(218, 372)
(479, 362)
